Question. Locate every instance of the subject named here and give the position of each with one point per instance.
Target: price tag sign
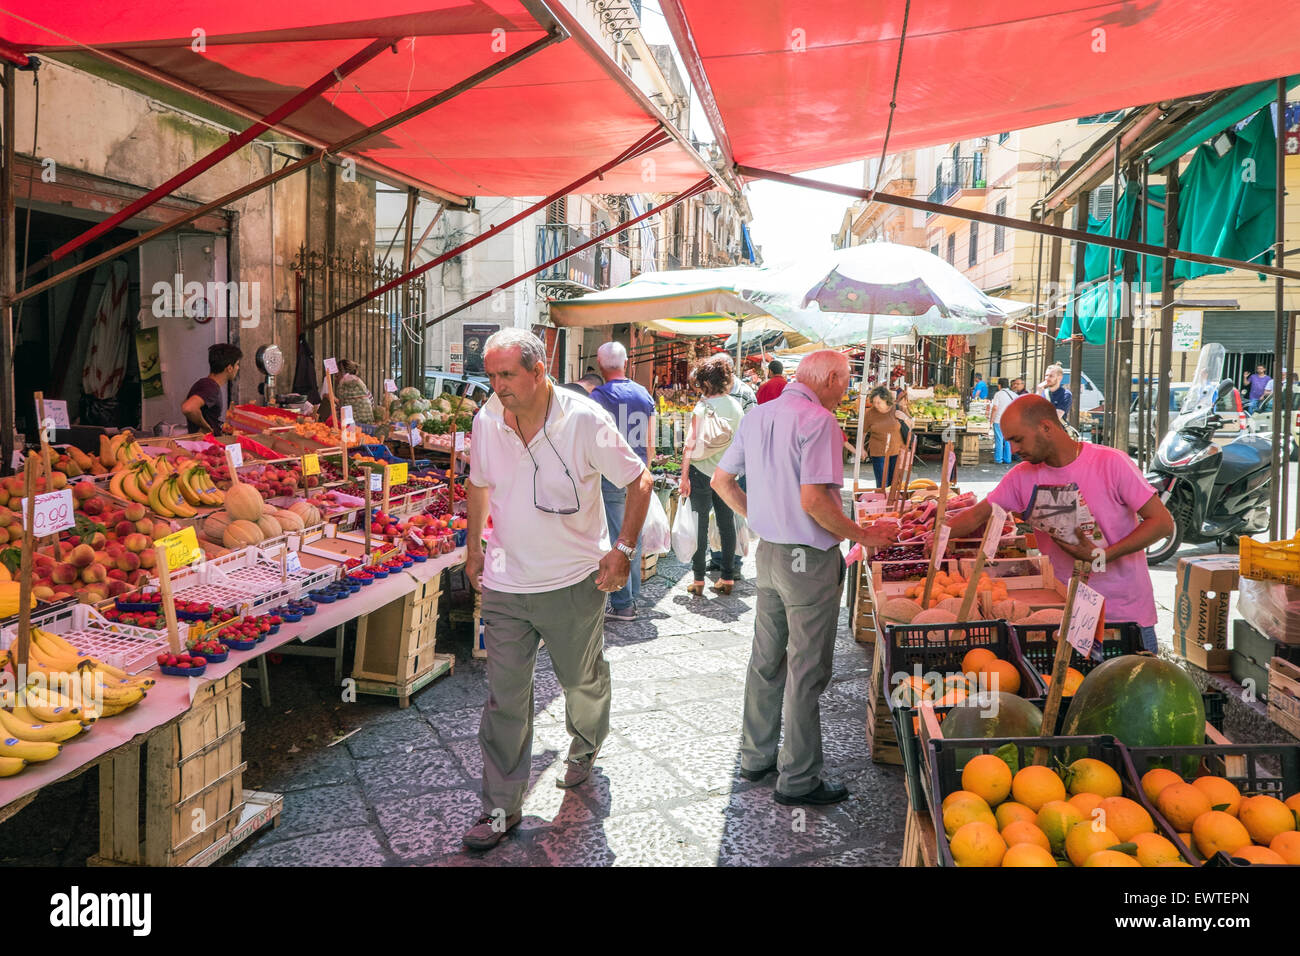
(182, 548)
(376, 481)
(331, 366)
(390, 386)
(56, 411)
(397, 474)
(460, 441)
(345, 415)
(1086, 619)
(414, 535)
(311, 464)
(293, 563)
(236, 453)
(949, 462)
(854, 555)
(18, 460)
(993, 531)
(941, 543)
(54, 512)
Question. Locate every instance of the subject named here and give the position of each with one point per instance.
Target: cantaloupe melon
(307, 511)
(241, 534)
(270, 527)
(1048, 615)
(244, 502)
(214, 526)
(902, 610)
(287, 520)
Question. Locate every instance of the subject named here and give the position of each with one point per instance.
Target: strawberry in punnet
(198, 661)
(164, 659)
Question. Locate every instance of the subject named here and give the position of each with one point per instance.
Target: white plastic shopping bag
(656, 536)
(743, 534)
(684, 531)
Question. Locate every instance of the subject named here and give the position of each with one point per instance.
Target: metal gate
(373, 335)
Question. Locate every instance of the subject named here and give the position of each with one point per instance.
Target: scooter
(1214, 493)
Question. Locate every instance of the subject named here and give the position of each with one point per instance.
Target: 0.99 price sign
(54, 513)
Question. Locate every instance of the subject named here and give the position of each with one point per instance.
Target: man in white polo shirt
(537, 457)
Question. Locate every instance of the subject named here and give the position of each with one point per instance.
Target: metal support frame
(704, 185)
(411, 349)
(8, 252)
(1166, 360)
(1282, 346)
(1055, 301)
(1076, 336)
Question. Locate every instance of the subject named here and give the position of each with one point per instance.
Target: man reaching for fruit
(537, 459)
(1128, 513)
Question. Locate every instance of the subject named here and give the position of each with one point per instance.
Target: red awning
(791, 85)
(527, 131)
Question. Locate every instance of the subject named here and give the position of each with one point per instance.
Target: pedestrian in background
(1052, 389)
(981, 388)
(633, 411)
(1006, 394)
(713, 426)
(884, 434)
(790, 449)
(775, 383)
(537, 457)
(1260, 384)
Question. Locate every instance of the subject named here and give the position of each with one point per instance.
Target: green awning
(1226, 113)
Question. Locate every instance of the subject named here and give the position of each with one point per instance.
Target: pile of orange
(1211, 815)
(954, 586)
(1037, 817)
(981, 671)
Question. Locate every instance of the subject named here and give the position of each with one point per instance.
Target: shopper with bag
(713, 425)
(790, 449)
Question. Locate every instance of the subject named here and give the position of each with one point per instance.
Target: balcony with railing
(587, 270)
(959, 179)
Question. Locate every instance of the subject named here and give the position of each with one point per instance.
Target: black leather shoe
(824, 793)
(757, 775)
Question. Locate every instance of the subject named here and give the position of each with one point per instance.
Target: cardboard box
(1201, 609)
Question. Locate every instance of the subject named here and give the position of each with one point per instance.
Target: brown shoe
(488, 831)
(576, 771)
(695, 587)
(723, 587)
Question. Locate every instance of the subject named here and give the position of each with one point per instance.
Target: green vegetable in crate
(409, 394)
(1011, 717)
(1141, 700)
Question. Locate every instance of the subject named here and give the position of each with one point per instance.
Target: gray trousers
(571, 620)
(790, 665)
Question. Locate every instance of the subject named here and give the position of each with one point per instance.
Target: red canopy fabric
(526, 132)
(791, 85)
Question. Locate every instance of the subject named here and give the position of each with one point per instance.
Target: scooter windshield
(1202, 394)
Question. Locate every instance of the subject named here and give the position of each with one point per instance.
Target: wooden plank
(126, 807)
(1284, 695)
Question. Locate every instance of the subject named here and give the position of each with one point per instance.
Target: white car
(1088, 399)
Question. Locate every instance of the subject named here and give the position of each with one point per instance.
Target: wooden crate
(395, 654)
(1284, 695)
(649, 563)
(920, 847)
(880, 729)
(194, 793)
(969, 453)
(862, 613)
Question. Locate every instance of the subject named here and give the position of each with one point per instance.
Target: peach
(116, 574)
(65, 573)
(144, 526)
(60, 480)
(92, 506)
(7, 517)
(97, 540)
(135, 512)
(148, 559)
(83, 491)
(161, 529)
(92, 596)
(94, 574)
(43, 592)
(128, 561)
(82, 555)
(124, 528)
(135, 543)
(117, 587)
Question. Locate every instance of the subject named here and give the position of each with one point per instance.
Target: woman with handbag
(713, 425)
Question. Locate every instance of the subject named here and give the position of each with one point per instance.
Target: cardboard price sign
(56, 411)
(390, 386)
(345, 415)
(1086, 620)
(311, 464)
(941, 543)
(331, 366)
(236, 453)
(397, 474)
(376, 481)
(54, 511)
(993, 531)
(460, 441)
(293, 563)
(182, 548)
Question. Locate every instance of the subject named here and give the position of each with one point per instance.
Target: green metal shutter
(1239, 331)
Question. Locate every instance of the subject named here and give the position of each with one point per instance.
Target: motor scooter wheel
(1161, 551)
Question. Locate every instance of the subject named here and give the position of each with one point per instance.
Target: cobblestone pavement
(404, 787)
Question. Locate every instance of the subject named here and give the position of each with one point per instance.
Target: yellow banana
(185, 481)
(11, 765)
(48, 707)
(30, 750)
(56, 732)
(115, 445)
(131, 485)
(175, 500)
(115, 484)
(155, 498)
(26, 716)
(57, 647)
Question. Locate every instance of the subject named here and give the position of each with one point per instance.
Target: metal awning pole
(315, 156)
(862, 410)
(740, 338)
(8, 252)
(975, 215)
(236, 142)
(1166, 361)
(704, 185)
(1276, 520)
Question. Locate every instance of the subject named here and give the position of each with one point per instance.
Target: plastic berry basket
(136, 607)
(323, 597)
(418, 558)
(216, 658)
(183, 671)
(235, 644)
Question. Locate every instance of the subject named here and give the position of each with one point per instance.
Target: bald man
(1129, 514)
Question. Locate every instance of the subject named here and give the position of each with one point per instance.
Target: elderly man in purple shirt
(790, 450)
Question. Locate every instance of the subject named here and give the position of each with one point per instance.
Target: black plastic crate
(1272, 769)
(1037, 644)
(907, 647)
(945, 774)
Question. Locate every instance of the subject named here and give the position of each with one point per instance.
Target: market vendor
(351, 390)
(205, 404)
(1128, 513)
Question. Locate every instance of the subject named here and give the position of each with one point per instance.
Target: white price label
(376, 481)
(345, 415)
(390, 385)
(54, 511)
(950, 462)
(18, 460)
(56, 410)
(460, 441)
(293, 563)
(993, 531)
(236, 453)
(1086, 617)
(331, 366)
(941, 543)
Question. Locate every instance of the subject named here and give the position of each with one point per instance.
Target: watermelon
(1012, 717)
(1142, 701)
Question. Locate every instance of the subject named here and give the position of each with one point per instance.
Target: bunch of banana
(93, 680)
(197, 486)
(166, 499)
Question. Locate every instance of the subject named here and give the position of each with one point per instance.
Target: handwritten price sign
(345, 415)
(182, 548)
(390, 386)
(993, 531)
(54, 512)
(376, 481)
(1086, 619)
(397, 474)
(293, 563)
(941, 543)
(331, 366)
(311, 464)
(235, 452)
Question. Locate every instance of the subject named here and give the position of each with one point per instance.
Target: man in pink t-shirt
(1128, 513)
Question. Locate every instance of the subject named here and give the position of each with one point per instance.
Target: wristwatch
(627, 549)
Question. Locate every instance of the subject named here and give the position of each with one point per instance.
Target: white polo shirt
(530, 550)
